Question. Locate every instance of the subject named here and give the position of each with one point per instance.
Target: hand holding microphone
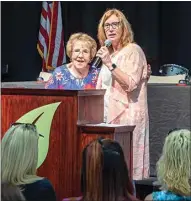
(102, 55)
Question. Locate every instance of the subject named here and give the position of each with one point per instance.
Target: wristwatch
(113, 67)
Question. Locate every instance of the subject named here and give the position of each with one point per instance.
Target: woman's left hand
(149, 71)
(103, 53)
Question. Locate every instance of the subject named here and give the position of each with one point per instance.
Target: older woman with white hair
(78, 73)
(19, 156)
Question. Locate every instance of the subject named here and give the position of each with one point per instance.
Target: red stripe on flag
(45, 35)
(53, 32)
(61, 51)
(44, 13)
(41, 46)
(48, 39)
(49, 12)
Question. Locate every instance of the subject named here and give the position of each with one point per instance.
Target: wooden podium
(75, 122)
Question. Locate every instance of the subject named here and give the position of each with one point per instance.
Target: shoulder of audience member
(44, 183)
(46, 188)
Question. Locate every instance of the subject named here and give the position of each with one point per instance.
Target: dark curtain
(19, 34)
(162, 29)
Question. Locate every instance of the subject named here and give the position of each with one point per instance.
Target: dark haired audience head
(11, 192)
(104, 172)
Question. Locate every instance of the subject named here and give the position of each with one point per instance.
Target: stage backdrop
(162, 29)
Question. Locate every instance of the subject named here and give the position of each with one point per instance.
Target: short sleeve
(54, 81)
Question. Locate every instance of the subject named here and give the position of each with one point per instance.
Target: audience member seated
(174, 168)
(19, 151)
(11, 193)
(104, 174)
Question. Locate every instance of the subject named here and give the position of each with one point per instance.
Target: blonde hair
(127, 33)
(83, 38)
(174, 166)
(19, 151)
(11, 192)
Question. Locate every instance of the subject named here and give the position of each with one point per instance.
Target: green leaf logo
(42, 117)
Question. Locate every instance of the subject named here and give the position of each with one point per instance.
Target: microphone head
(107, 43)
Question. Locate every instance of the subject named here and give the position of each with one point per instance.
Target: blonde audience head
(174, 166)
(19, 151)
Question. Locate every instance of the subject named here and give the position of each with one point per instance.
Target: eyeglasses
(78, 51)
(27, 125)
(114, 25)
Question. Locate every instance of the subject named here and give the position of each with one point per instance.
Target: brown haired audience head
(104, 172)
(121, 31)
(81, 49)
(11, 192)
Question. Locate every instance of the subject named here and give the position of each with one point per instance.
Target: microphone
(97, 60)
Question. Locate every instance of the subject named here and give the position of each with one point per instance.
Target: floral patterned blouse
(63, 79)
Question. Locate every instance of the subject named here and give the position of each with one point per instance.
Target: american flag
(51, 36)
